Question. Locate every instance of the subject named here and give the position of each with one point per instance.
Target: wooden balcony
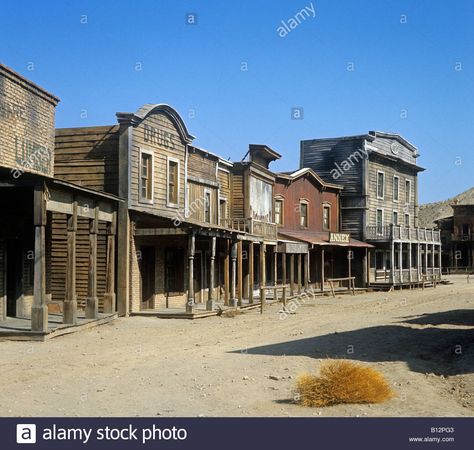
(390, 233)
(266, 230)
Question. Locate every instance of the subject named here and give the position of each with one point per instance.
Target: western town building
(379, 202)
(307, 209)
(57, 239)
(194, 229)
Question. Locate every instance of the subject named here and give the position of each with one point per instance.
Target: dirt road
(247, 365)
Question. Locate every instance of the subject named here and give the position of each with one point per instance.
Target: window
(326, 217)
(223, 211)
(279, 211)
(207, 206)
(304, 215)
(146, 177)
(380, 184)
(379, 221)
(396, 188)
(407, 191)
(407, 220)
(395, 218)
(173, 182)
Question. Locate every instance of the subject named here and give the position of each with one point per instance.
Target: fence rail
(398, 232)
(256, 227)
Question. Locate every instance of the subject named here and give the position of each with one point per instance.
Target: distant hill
(430, 212)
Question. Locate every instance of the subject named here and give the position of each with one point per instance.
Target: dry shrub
(343, 381)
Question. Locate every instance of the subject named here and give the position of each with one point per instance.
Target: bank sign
(339, 238)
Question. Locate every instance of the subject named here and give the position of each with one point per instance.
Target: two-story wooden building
(57, 239)
(307, 209)
(379, 202)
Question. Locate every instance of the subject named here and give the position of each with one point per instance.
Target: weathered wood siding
(88, 156)
(238, 195)
(386, 146)
(390, 169)
(225, 189)
(200, 166)
(58, 257)
(196, 199)
(308, 189)
(169, 144)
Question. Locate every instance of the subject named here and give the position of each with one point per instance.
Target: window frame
(306, 203)
(151, 155)
(281, 199)
(381, 172)
(207, 192)
(407, 192)
(326, 206)
(398, 217)
(405, 221)
(170, 204)
(376, 221)
(396, 200)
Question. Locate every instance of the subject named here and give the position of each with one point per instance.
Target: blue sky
(399, 68)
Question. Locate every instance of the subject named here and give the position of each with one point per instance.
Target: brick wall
(26, 125)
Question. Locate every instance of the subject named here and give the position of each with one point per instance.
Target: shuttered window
(173, 167)
(326, 218)
(303, 215)
(146, 177)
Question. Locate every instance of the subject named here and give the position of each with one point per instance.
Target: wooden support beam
(251, 271)
(233, 282)
(92, 302)
(70, 300)
(392, 262)
(240, 273)
(322, 269)
(299, 274)
(39, 309)
(283, 277)
(212, 271)
(292, 274)
(226, 273)
(191, 253)
(306, 271)
(263, 273)
(275, 274)
(110, 304)
(400, 260)
(410, 261)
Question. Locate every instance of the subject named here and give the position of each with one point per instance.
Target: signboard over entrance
(339, 238)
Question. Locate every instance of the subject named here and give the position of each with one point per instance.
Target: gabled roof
(395, 136)
(142, 113)
(290, 176)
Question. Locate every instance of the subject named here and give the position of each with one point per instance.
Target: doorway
(147, 271)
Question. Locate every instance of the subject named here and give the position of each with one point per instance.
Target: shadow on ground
(442, 351)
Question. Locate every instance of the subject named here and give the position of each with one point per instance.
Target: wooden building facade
(379, 202)
(57, 239)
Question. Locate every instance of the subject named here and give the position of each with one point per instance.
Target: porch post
(191, 252)
(92, 302)
(322, 269)
(400, 260)
(240, 272)
(70, 301)
(109, 296)
(226, 273)
(349, 261)
(433, 249)
(292, 274)
(251, 274)
(262, 276)
(306, 271)
(426, 259)
(212, 275)
(410, 262)
(283, 277)
(365, 269)
(275, 274)
(299, 273)
(419, 261)
(233, 280)
(441, 262)
(39, 309)
(392, 262)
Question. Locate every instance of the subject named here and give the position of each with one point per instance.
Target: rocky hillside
(430, 212)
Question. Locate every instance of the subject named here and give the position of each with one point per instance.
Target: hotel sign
(339, 238)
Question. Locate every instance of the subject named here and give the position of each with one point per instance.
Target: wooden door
(147, 271)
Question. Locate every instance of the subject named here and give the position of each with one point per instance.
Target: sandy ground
(247, 365)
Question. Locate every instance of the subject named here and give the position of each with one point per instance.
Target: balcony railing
(256, 227)
(399, 232)
(462, 237)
